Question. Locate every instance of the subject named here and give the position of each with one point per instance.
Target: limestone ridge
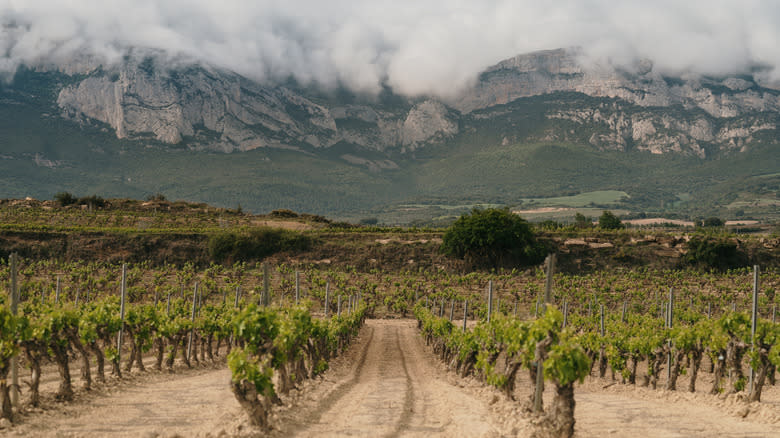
(649, 111)
(632, 108)
(215, 109)
(209, 108)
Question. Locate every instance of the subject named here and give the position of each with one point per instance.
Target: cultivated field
(389, 379)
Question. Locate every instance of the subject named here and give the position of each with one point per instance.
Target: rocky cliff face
(216, 109)
(220, 110)
(723, 112)
(564, 70)
(640, 108)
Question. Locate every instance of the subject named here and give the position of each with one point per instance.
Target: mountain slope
(537, 125)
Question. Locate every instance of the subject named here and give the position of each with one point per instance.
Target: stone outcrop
(567, 70)
(427, 121)
(215, 109)
(139, 100)
(147, 97)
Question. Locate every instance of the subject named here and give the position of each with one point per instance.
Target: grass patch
(599, 197)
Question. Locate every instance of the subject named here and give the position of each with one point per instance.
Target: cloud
(431, 47)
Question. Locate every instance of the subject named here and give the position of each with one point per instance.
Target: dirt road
(396, 391)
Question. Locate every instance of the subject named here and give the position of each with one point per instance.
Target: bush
(159, 197)
(64, 199)
(284, 213)
(92, 202)
(714, 253)
(582, 221)
(257, 244)
(492, 238)
(712, 222)
(608, 221)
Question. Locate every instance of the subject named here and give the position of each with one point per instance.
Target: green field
(600, 197)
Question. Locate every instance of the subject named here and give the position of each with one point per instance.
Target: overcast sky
(415, 46)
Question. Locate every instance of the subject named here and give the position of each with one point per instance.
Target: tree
(582, 221)
(492, 237)
(159, 197)
(714, 253)
(609, 221)
(64, 199)
(712, 222)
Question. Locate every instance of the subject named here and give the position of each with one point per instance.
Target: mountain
(651, 112)
(209, 108)
(534, 126)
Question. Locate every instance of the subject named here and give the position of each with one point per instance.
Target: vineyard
(279, 329)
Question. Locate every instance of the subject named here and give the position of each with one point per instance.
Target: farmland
(193, 328)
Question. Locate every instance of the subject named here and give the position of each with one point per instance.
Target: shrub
(64, 199)
(714, 253)
(582, 221)
(491, 238)
(159, 197)
(608, 221)
(92, 202)
(712, 222)
(259, 243)
(284, 213)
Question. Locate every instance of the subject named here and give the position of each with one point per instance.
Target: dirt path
(394, 390)
(188, 405)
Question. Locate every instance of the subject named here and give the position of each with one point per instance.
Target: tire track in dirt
(334, 396)
(407, 411)
(372, 402)
(400, 393)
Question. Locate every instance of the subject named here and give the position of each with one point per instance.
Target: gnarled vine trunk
(210, 345)
(763, 370)
(602, 362)
(86, 373)
(65, 391)
(160, 347)
(734, 352)
(99, 360)
(139, 358)
(133, 348)
(696, 357)
(173, 347)
(511, 376)
(671, 384)
(34, 354)
(184, 346)
(257, 405)
(658, 359)
(6, 410)
(717, 376)
(559, 421)
(115, 370)
(632, 370)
